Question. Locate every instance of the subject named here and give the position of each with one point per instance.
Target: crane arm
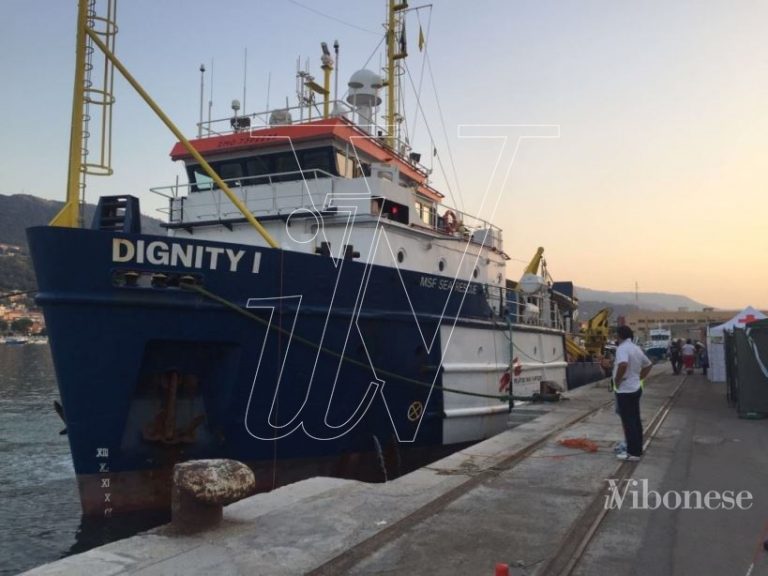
(533, 265)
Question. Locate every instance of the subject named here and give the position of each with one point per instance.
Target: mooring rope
(12, 294)
(237, 308)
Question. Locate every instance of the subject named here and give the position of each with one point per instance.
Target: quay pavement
(515, 499)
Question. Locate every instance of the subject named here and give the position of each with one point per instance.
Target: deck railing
(316, 190)
(299, 115)
(285, 191)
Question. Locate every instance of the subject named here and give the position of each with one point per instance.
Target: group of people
(689, 356)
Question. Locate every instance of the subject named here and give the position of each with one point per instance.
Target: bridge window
(200, 180)
(230, 171)
(345, 166)
(320, 159)
(287, 163)
(425, 212)
(394, 211)
(261, 169)
(258, 166)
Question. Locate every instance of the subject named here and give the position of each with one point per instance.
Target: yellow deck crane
(574, 350)
(595, 333)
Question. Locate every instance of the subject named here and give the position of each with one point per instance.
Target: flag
(421, 40)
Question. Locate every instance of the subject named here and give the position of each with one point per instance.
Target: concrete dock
(520, 498)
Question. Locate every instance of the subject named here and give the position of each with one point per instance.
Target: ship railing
(300, 114)
(314, 189)
(265, 194)
(534, 310)
(455, 222)
(269, 118)
(537, 310)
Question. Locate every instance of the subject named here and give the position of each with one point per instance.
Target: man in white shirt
(630, 367)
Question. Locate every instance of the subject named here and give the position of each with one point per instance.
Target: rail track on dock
(576, 542)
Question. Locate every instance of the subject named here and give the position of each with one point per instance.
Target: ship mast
(91, 108)
(88, 39)
(392, 56)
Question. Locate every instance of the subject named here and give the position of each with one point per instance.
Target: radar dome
(364, 86)
(279, 117)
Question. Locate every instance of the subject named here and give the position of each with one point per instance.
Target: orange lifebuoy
(449, 221)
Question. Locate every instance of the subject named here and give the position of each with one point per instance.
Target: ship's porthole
(475, 272)
(400, 255)
(441, 264)
(302, 220)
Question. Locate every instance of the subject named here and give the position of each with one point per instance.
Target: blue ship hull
(301, 364)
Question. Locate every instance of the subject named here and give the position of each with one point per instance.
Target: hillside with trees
(17, 213)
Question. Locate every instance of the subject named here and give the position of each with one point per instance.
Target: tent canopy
(715, 343)
(749, 314)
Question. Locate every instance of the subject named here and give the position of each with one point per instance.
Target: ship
(657, 345)
(314, 309)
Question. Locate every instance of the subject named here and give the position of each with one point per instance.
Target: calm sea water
(40, 518)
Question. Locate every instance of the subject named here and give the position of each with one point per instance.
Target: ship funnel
(364, 86)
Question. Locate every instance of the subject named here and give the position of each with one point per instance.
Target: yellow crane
(574, 350)
(595, 333)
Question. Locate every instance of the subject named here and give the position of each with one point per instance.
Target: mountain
(643, 301)
(20, 211)
(588, 308)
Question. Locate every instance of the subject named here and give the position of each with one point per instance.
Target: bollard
(502, 569)
(201, 489)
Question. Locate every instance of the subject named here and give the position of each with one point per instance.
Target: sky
(657, 176)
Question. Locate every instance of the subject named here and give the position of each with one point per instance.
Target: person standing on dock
(676, 355)
(630, 368)
(703, 356)
(689, 356)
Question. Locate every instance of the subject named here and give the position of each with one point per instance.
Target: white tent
(716, 343)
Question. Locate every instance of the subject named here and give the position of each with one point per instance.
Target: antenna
(202, 89)
(210, 99)
(325, 90)
(245, 75)
(336, 80)
(269, 85)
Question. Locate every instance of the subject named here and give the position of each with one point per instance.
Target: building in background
(683, 323)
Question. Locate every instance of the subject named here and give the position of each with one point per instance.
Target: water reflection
(40, 518)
